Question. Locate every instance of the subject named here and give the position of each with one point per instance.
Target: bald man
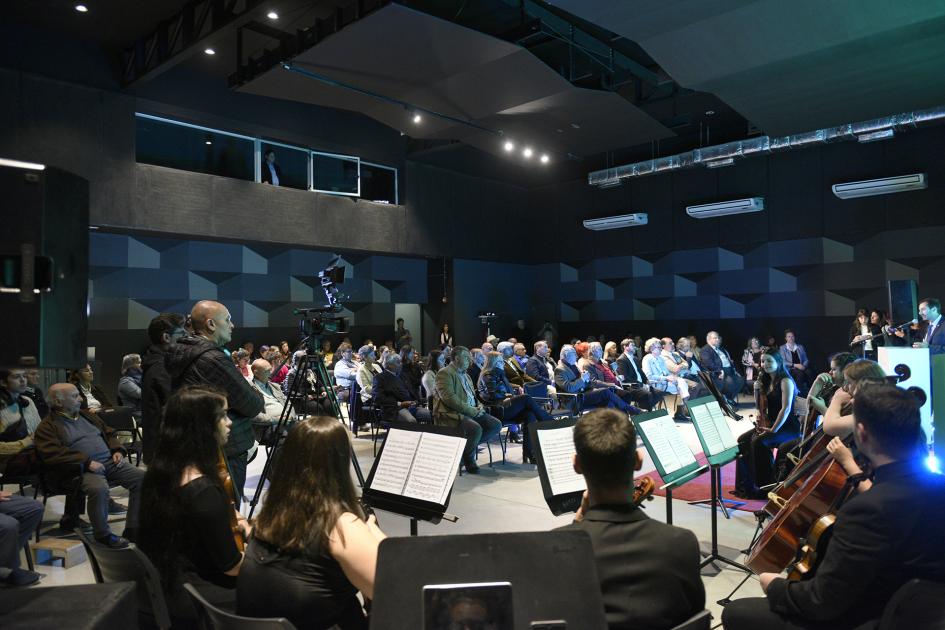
(272, 395)
(199, 359)
(75, 440)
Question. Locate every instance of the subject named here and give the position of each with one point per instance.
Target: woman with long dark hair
(864, 335)
(411, 373)
(774, 393)
(446, 337)
(312, 549)
(186, 516)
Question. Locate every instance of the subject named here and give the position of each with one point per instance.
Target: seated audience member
(717, 363)
(19, 419)
(751, 361)
(456, 405)
(273, 397)
(648, 571)
(838, 419)
(569, 379)
(187, 515)
(435, 362)
(795, 359)
(675, 361)
(129, 385)
(630, 372)
(250, 348)
(92, 396)
(411, 372)
(774, 395)
(611, 355)
(163, 331)
(34, 391)
(540, 368)
(515, 372)
(19, 518)
(684, 348)
(475, 367)
(309, 398)
(662, 380)
(521, 356)
(519, 408)
(241, 361)
(313, 549)
(881, 538)
(487, 347)
(602, 375)
(346, 370)
(74, 438)
(393, 395)
(280, 366)
(365, 374)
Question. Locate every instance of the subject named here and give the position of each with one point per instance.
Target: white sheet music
(710, 422)
(392, 472)
(667, 444)
(557, 451)
(434, 467)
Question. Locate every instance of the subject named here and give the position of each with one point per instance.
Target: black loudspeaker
(46, 214)
(903, 304)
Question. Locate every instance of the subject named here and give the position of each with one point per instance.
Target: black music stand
(406, 565)
(562, 502)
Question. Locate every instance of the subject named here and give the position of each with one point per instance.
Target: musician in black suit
(270, 171)
(648, 571)
(631, 373)
(934, 339)
(394, 397)
(882, 537)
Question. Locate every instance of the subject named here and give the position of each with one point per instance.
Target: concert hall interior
(372, 313)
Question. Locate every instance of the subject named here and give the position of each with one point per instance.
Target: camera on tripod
(322, 320)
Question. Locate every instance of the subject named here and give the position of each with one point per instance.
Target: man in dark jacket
(164, 330)
(394, 398)
(648, 571)
(716, 361)
(631, 372)
(199, 359)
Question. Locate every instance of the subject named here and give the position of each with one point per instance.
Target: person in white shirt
(931, 311)
(660, 378)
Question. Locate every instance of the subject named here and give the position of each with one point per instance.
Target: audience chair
(918, 605)
(209, 617)
(21, 481)
(129, 565)
(358, 412)
(699, 621)
(58, 480)
(122, 420)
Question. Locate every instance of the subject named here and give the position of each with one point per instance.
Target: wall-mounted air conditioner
(722, 208)
(613, 223)
(884, 186)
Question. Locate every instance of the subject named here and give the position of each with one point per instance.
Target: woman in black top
(312, 549)
(186, 515)
(411, 373)
(774, 392)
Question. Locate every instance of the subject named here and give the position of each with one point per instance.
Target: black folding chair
(122, 420)
(209, 617)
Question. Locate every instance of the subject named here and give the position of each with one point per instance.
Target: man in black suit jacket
(270, 171)
(648, 571)
(393, 396)
(882, 538)
(934, 337)
(629, 368)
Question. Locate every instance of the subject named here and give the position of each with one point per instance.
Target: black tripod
(311, 369)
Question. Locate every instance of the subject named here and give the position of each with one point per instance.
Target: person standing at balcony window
(271, 174)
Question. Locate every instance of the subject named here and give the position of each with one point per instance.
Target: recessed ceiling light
(544, 158)
(209, 51)
(416, 119)
(272, 15)
(208, 142)
(575, 126)
(527, 152)
(509, 145)
(81, 8)
(710, 112)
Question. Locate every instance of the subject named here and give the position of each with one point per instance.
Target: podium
(918, 374)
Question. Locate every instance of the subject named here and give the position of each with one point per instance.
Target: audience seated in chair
(187, 516)
(273, 398)
(313, 549)
(366, 372)
(435, 362)
(475, 367)
(540, 368)
(456, 405)
(129, 385)
(345, 370)
(92, 396)
(662, 380)
(513, 370)
(648, 571)
(34, 390)
(718, 364)
(602, 375)
(631, 374)
(393, 396)
(795, 359)
(411, 373)
(569, 379)
(677, 364)
(71, 436)
(520, 354)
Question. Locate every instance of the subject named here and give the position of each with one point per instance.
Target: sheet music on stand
(553, 446)
(718, 443)
(675, 462)
(414, 471)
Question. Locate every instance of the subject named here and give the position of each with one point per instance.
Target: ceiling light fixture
(417, 118)
(509, 146)
(527, 152)
(544, 158)
(272, 15)
(209, 51)
(81, 8)
(208, 142)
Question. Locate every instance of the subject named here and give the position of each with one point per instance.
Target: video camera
(318, 321)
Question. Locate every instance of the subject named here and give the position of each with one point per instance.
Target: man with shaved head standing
(199, 359)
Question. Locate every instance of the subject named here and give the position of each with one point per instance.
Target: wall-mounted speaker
(903, 303)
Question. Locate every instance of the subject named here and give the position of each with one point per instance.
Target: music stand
(400, 491)
(405, 565)
(553, 447)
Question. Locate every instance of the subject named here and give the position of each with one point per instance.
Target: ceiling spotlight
(527, 152)
(272, 15)
(416, 119)
(81, 8)
(208, 142)
(544, 158)
(509, 146)
(209, 51)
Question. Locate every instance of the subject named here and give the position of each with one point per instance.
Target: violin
(230, 488)
(643, 490)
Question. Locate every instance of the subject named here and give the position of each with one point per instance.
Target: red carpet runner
(700, 488)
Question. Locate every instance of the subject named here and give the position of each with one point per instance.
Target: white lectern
(920, 375)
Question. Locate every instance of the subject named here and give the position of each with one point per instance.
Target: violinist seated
(190, 529)
(648, 570)
(838, 419)
(881, 539)
(778, 424)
